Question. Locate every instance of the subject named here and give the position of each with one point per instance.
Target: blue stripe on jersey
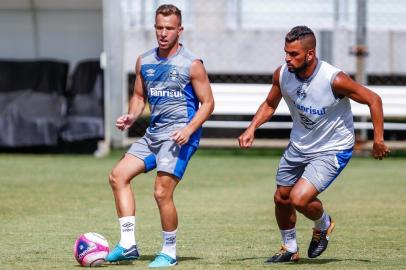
(151, 72)
(192, 102)
(154, 119)
(160, 72)
(192, 105)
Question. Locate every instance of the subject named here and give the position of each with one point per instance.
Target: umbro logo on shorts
(164, 161)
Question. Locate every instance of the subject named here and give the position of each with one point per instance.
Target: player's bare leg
(303, 198)
(285, 215)
(165, 185)
(120, 181)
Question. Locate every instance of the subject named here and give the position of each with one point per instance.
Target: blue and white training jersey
(171, 97)
(321, 120)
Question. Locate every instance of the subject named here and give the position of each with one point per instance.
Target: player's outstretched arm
(201, 85)
(343, 85)
(137, 102)
(264, 112)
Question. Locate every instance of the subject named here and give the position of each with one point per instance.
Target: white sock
(322, 223)
(127, 227)
(289, 239)
(169, 243)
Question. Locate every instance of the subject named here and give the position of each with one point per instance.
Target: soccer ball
(90, 249)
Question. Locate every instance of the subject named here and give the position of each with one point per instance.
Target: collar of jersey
(315, 71)
(170, 57)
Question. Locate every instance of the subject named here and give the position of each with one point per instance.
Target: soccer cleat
(319, 241)
(120, 254)
(163, 260)
(284, 256)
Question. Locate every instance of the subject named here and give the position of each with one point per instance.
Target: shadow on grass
(308, 261)
(101, 266)
(325, 261)
(180, 259)
(150, 258)
(250, 258)
(142, 258)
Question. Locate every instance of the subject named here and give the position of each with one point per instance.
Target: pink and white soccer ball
(91, 249)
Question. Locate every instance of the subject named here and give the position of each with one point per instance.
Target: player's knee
(112, 180)
(115, 180)
(297, 202)
(161, 195)
(281, 198)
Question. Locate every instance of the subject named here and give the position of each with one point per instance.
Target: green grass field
(225, 205)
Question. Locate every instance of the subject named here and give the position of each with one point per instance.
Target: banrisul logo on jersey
(310, 109)
(164, 92)
(308, 112)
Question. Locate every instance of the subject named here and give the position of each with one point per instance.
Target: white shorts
(166, 156)
(320, 169)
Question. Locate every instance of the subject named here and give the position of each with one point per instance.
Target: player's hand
(380, 150)
(246, 139)
(181, 136)
(125, 121)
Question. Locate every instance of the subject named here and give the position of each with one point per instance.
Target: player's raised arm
(343, 85)
(137, 102)
(201, 85)
(264, 112)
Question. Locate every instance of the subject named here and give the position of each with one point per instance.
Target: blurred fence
(247, 36)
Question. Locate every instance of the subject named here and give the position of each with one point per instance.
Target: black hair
(299, 33)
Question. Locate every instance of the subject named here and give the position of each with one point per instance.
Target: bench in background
(244, 100)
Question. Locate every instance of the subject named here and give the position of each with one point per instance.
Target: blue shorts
(320, 169)
(166, 156)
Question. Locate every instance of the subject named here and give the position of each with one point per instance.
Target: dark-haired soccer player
(321, 140)
(174, 81)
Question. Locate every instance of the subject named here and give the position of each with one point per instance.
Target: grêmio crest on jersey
(301, 91)
(174, 74)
